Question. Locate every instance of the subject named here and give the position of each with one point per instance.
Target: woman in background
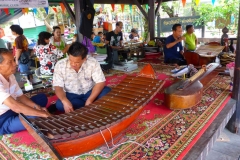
(58, 40)
(21, 49)
(47, 53)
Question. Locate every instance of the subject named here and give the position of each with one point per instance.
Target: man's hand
(67, 105)
(119, 47)
(16, 62)
(182, 38)
(46, 114)
(88, 102)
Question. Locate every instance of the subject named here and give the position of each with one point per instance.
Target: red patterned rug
(153, 60)
(158, 133)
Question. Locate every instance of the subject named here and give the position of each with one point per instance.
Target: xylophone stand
(54, 153)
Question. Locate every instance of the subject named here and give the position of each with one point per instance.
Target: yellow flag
(197, 2)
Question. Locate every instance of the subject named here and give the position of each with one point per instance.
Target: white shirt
(7, 89)
(88, 75)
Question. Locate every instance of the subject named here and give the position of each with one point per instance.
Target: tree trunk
(168, 10)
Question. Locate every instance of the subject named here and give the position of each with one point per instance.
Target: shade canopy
(107, 1)
(7, 17)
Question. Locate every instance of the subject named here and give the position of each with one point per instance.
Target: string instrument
(87, 128)
(187, 93)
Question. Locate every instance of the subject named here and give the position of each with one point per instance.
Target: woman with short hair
(47, 53)
(20, 45)
(58, 40)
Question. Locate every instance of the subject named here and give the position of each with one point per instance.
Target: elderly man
(78, 80)
(173, 50)
(12, 99)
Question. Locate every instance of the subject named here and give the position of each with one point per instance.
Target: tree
(57, 18)
(223, 11)
(168, 10)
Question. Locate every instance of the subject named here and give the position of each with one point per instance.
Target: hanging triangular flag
(102, 5)
(122, 6)
(6, 10)
(63, 7)
(55, 9)
(113, 7)
(46, 9)
(183, 3)
(11, 10)
(146, 7)
(26, 10)
(197, 2)
(130, 8)
(23, 10)
(213, 1)
(35, 10)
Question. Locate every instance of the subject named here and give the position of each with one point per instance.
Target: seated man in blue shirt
(173, 50)
(98, 39)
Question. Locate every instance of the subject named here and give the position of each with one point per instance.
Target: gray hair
(3, 51)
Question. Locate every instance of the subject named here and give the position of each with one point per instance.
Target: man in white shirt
(12, 99)
(78, 80)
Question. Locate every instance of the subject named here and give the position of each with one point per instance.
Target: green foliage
(222, 11)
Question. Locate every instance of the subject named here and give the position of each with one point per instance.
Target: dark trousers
(178, 61)
(9, 121)
(79, 101)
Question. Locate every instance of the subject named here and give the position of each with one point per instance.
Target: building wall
(32, 33)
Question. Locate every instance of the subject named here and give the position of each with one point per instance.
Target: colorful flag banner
(146, 7)
(113, 7)
(122, 6)
(35, 10)
(184, 3)
(213, 1)
(55, 9)
(46, 9)
(130, 8)
(197, 2)
(6, 10)
(11, 10)
(63, 7)
(23, 10)
(26, 10)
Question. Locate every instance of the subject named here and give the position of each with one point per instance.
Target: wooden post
(77, 8)
(158, 7)
(234, 122)
(151, 19)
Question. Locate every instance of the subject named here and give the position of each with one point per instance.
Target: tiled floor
(227, 147)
